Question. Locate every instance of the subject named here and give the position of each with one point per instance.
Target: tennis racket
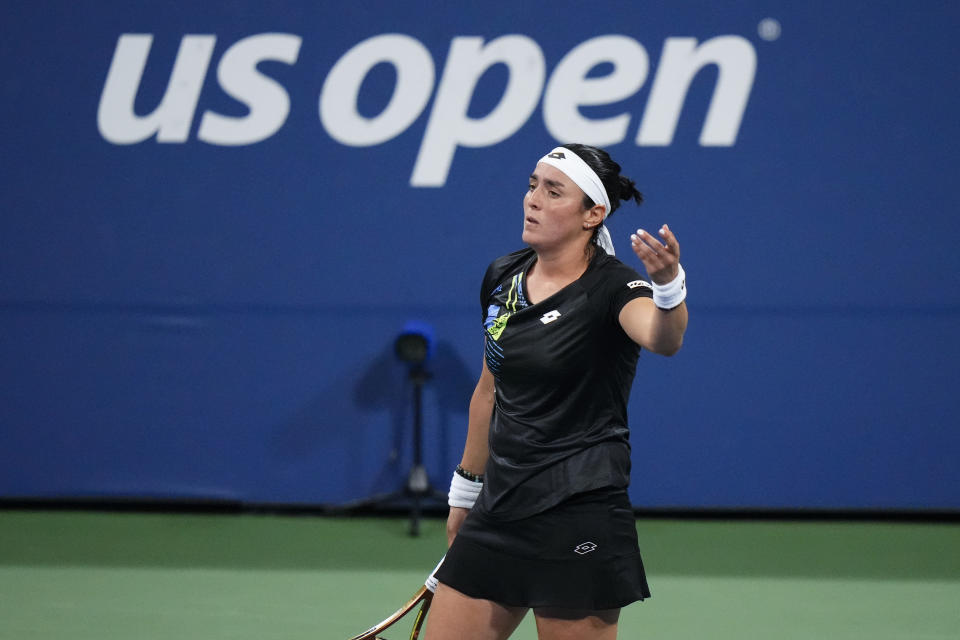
(423, 597)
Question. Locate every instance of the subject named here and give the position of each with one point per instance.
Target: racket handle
(431, 581)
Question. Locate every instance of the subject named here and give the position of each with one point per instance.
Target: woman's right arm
(475, 451)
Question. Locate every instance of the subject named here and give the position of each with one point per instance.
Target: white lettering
(679, 63)
(449, 124)
(450, 127)
(338, 99)
(171, 120)
(569, 88)
(268, 102)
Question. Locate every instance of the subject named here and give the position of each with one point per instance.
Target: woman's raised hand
(661, 260)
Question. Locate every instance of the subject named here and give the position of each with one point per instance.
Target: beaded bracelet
(472, 477)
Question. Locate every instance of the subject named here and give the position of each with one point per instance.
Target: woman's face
(553, 212)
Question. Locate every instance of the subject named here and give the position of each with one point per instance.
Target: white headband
(587, 179)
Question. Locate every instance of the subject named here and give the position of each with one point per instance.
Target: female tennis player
(540, 517)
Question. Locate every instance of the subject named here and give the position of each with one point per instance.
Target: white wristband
(463, 492)
(670, 295)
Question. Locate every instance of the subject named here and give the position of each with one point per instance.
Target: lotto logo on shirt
(549, 317)
(639, 283)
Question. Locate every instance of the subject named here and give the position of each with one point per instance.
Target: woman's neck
(567, 263)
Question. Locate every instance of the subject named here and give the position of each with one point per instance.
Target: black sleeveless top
(563, 368)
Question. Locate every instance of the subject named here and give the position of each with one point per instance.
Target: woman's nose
(533, 197)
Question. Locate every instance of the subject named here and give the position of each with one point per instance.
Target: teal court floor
(76, 575)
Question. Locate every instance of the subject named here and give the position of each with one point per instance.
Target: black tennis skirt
(580, 554)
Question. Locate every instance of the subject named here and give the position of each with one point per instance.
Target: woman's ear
(594, 216)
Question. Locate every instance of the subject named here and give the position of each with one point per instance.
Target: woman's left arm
(655, 329)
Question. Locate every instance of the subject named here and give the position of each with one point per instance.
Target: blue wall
(189, 311)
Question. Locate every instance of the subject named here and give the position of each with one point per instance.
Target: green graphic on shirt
(498, 326)
(513, 296)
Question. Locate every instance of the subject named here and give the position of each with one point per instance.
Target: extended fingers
(645, 244)
(673, 245)
(660, 259)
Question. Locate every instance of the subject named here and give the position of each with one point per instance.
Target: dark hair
(619, 188)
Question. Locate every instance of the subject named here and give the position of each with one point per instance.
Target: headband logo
(558, 155)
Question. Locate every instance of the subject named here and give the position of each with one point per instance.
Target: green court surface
(89, 575)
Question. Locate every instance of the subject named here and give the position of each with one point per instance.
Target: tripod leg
(415, 516)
